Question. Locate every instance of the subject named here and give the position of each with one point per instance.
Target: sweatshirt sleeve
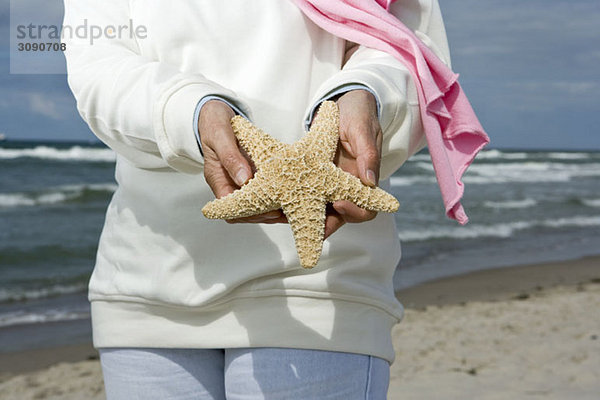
(140, 107)
(393, 84)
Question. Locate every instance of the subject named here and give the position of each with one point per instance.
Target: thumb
(366, 151)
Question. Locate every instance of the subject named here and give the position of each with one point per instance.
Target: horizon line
(98, 142)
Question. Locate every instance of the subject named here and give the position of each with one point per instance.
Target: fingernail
(241, 177)
(371, 177)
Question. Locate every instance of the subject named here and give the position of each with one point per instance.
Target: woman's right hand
(225, 167)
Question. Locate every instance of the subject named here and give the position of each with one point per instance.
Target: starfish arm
(250, 199)
(259, 145)
(323, 137)
(345, 186)
(307, 220)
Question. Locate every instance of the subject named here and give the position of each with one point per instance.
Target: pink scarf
(454, 134)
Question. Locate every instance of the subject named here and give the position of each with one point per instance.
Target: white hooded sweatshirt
(165, 276)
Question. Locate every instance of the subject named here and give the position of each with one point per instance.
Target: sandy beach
(523, 332)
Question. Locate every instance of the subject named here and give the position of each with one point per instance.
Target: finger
(217, 178)
(333, 222)
(360, 131)
(230, 156)
(363, 140)
(217, 135)
(352, 213)
(271, 217)
(280, 220)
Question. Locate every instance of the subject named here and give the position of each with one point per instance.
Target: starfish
(300, 179)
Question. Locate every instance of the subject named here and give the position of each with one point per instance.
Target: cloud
(553, 39)
(482, 49)
(510, 97)
(45, 105)
(537, 51)
(57, 106)
(577, 88)
(568, 87)
(529, 67)
(590, 57)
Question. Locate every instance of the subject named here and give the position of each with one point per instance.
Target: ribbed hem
(271, 321)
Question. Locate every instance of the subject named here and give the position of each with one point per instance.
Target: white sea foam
(591, 202)
(468, 232)
(525, 203)
(420, 157)
(108, 187)
(530, 172)
(499, 155)
(22, 199)
(484, 154)
(15, 200)
(501, 230)
(409, 180)
(25, 317)
(568, 156)
(51, 196)
(572, 221)
(75, 153)
(32, 294)
(494, 173)
(491, 154)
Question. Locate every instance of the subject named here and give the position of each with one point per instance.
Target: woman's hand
(359, 153)
(226, 166)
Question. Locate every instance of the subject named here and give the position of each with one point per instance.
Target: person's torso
(156, 245)
(266, 51)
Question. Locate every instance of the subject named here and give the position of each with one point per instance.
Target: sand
(526, 332)
(546, 346)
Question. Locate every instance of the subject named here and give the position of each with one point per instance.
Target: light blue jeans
(242, 373)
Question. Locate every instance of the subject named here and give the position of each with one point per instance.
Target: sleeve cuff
(176, 108)
(335, 92)
(199, 106)
(385, 76)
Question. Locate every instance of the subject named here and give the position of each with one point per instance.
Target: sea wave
(568, 156)
(54, 195)
(410, 180)
(525, 203)
(500, 230)
(591, 202)
(419, 157)
(492, 154)
(495, 154)
(484, 154)
(10, 295)
(531, 171)
(74, 153)
(22, 317)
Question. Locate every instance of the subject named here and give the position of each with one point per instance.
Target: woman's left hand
(359, 153)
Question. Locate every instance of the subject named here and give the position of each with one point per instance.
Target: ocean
(524, 207)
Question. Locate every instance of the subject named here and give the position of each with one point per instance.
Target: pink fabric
(454, 134)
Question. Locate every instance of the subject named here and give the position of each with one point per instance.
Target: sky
(529, 68)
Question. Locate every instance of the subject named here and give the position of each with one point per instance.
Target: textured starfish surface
(301, 179)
